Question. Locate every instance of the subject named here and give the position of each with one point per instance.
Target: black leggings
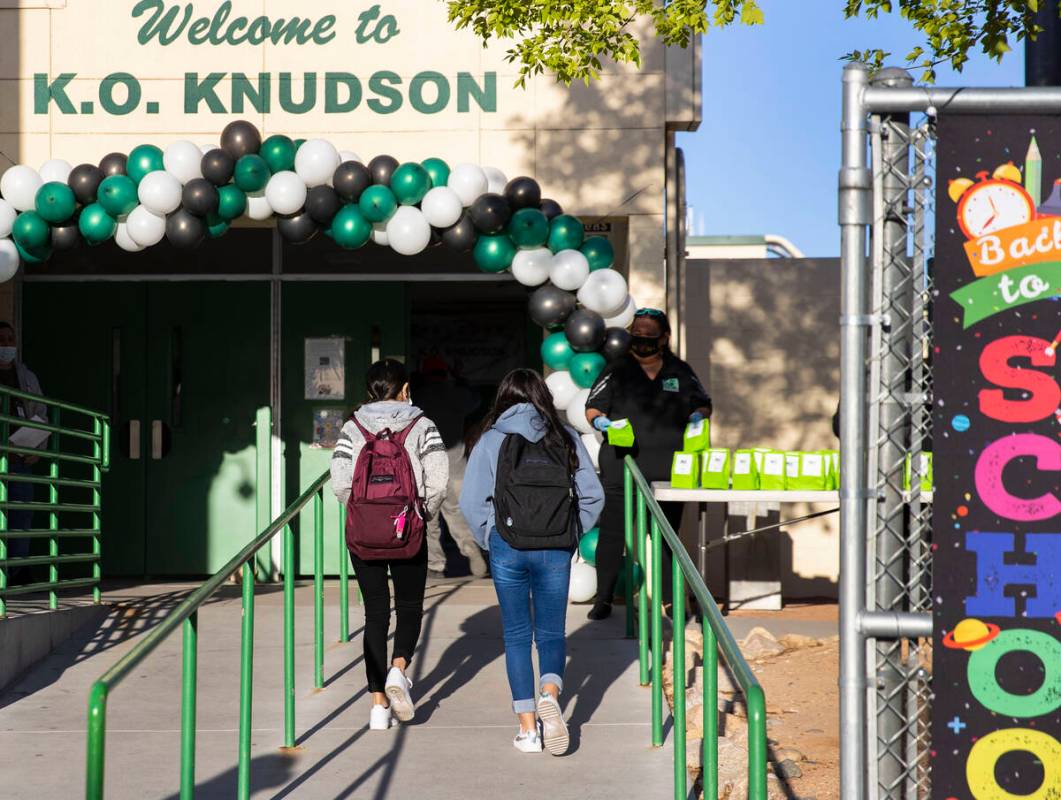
(612, 543)
(410, 577)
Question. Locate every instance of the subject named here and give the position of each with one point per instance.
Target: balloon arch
(189, 193)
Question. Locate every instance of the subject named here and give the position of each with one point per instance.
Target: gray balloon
(616, 343)
(184, 230)
(584, 330)
(550, 306)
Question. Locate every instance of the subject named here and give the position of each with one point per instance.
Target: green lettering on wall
(243, 89)
(196, 91)
(44, 93)
(332, 82)
(197, 33)
(106, 93)
(485, 96)
(416, 92)
(382, 84)
(309, 93)
(258, 31)
(160, 25)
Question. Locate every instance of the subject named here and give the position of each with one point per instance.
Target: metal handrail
(716, 637)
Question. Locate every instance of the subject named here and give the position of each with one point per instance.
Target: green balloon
(528, 228)
(56, 202)
(252, 173)
(599, 252)
(377, 203)
(30, 230)
(585, 367)
(299, 143)
(117, 195)
(494, 253)
(565, 233)
(143, 159)
(231, 201)
(350, 228)
(95, 224)
(620, 585)
(279, 153)
(216, 225)
(34, 255)
(410, 183)
(437, 169)
(556, 351)
(587, 546)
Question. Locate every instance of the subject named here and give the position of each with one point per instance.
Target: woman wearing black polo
(660, 394)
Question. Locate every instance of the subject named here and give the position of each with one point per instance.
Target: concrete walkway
(459, 745)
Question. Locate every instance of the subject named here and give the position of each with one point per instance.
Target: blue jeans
(523, 578)
(19, 492)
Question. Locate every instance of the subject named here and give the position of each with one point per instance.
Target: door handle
(134, 439)
(156, 439)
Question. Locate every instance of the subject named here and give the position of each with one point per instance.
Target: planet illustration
(960, 423)
(970, 634)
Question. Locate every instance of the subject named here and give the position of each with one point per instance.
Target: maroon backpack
(384, 515)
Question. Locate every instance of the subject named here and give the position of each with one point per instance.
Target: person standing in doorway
(660, 394)
(449, 401)
(530, 490)
(390, 415)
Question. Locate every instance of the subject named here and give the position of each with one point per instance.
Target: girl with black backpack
(530, 490)
(390, 470)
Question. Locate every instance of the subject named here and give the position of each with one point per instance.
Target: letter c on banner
(983, 682)
(1047, 455)
(980, 768)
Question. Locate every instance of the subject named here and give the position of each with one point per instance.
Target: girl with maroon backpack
(390, 469)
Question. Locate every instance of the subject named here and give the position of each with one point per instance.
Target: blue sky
(766, 156)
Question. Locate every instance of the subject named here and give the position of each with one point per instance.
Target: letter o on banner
(980, 768)
(984, 684)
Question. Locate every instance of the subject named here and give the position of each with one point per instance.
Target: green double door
(182, 368)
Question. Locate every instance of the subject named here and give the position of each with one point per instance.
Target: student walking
(390, 470)
(530, 490)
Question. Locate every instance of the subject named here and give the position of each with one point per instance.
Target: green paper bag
(757, 454)
(684, 472)
(811, 473)
(924, 473)
(714, 468)
(697, 436)
(791, 468)
(745, 472)
(621, 433)
(830, 469)
(834, 456)
(772, 475)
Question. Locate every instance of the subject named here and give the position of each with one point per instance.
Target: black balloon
(436, 238)
(351, 178)
(113, 164)
(523, 192)
(584, 330)
(217, 166)
(200, 197)
(84, 180)
(616, 343)
(322, 203)
(240, 138)
(550, 208)
(381, 168)
(490, 213)
(550, 306)
(298, 229)
(184, 230)
(66, 236)
(461, 235)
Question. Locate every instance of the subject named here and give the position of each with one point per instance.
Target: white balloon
(379, 234)
(144, 226)
(8, 260)
(160, 191)
(583, 585)
(532, 267)
(592, 443)
(19, 186)
(285, 192)
(441, 206)
(7, 218)
(258, 207)
(576, 412)
(57, 169)
(623, 318)
(562, 388)
(495, 180)
(408, 231)
(183, 159)
(349, 155)
(206, 148)
(604, 291)
(569, 270)
(468, 181)
(124, 239)
(315, 162)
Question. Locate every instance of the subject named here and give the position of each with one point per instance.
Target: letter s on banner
(993, 460)
(1044, 395)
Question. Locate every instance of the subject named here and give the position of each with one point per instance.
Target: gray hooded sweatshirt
(477, 495)
(424, 445)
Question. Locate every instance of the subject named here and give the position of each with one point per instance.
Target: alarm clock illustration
(993, 204)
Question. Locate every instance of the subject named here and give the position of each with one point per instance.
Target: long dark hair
(527, 386)
(385, 379)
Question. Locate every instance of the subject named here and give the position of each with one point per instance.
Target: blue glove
(695, 417)
(601, 423)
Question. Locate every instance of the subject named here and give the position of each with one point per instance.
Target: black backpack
(535, 500)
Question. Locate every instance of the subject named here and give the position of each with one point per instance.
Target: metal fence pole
(628, 557)
(289, 636)
(188, 702)
(642, 592)
(678, 669)
(344, 579)
(657, 634)
(318, 590)
(246, 684)
(5, 404)
(53, 516)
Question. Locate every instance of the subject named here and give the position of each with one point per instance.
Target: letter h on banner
(994, 575)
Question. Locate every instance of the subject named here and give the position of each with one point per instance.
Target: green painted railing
(75, 455)
(186, 616)
(640, 506)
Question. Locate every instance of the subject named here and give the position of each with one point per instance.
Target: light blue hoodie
(477, 495)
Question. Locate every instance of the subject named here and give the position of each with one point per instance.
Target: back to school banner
(996, 714)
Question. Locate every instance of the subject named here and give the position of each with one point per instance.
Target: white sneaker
(380, 718)
(554, 729)
(397, 690)
(528, 741)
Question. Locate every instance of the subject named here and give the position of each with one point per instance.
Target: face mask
(8, 354)
(646, 345)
